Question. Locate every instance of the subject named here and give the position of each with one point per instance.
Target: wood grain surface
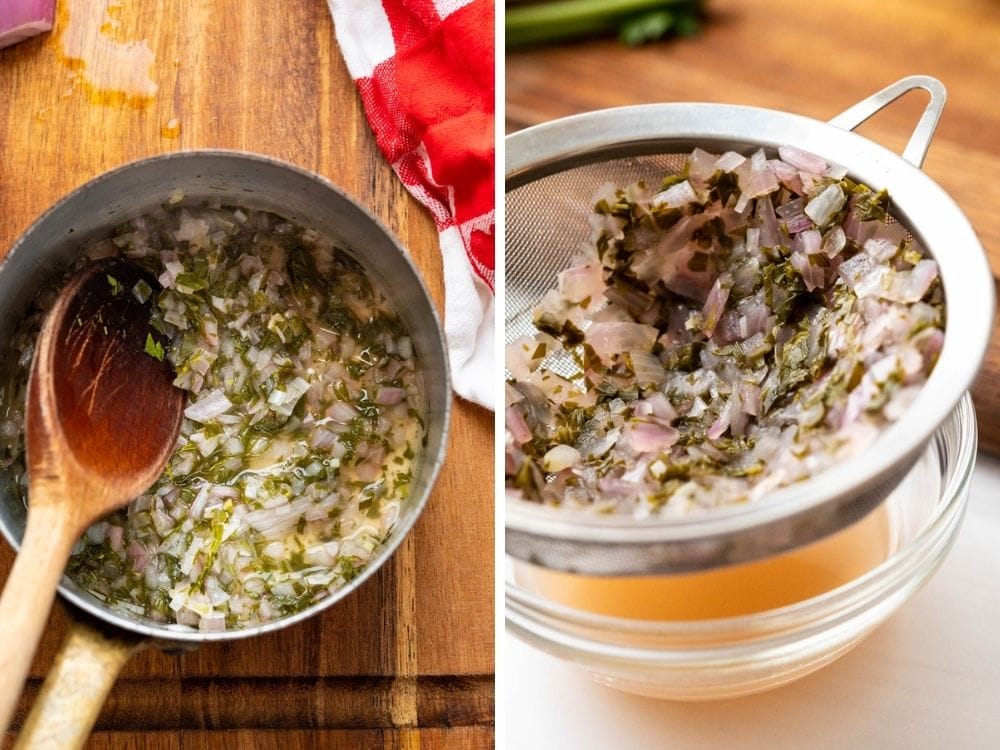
(815, 59)
(407, 660)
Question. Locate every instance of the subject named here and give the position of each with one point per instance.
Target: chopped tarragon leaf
(153, 347)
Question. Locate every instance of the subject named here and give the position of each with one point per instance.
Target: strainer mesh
(547, 222)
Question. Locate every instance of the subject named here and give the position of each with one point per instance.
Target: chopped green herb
(153, 347)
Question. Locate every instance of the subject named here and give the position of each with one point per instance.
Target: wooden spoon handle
(27, 597)
(83, 673)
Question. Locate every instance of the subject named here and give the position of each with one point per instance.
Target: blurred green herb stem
(634, 21)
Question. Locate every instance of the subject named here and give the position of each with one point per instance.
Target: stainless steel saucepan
(93, 654)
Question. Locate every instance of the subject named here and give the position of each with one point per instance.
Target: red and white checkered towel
(425, 71)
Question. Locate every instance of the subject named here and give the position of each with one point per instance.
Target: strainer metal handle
(916, 149)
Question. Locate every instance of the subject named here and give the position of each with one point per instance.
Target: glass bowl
(691, 656)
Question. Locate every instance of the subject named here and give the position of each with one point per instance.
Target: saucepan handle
(71, 697)
(916, 149)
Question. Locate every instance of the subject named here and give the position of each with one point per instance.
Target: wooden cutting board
(407, 660)
(815, 59)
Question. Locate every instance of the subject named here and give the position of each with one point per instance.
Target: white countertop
(928, 678)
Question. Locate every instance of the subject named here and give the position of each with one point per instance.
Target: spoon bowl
(102, 419)
(101, 403)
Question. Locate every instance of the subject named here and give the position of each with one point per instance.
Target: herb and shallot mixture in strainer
(300, 434)
(738, 328)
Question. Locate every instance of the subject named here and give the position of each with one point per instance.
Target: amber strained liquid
(735, 590)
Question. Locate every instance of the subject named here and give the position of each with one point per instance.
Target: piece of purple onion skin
(24, 19)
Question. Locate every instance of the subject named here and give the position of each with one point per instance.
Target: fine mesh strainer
(553, 171)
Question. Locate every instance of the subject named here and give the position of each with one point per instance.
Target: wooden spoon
(102, 419)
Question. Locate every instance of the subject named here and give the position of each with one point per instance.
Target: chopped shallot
(301, 434)
(208, 406)
(649, 437)
(560, 457)
(677, 195)
(822, 208)
(736, 347)
(803, 160)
